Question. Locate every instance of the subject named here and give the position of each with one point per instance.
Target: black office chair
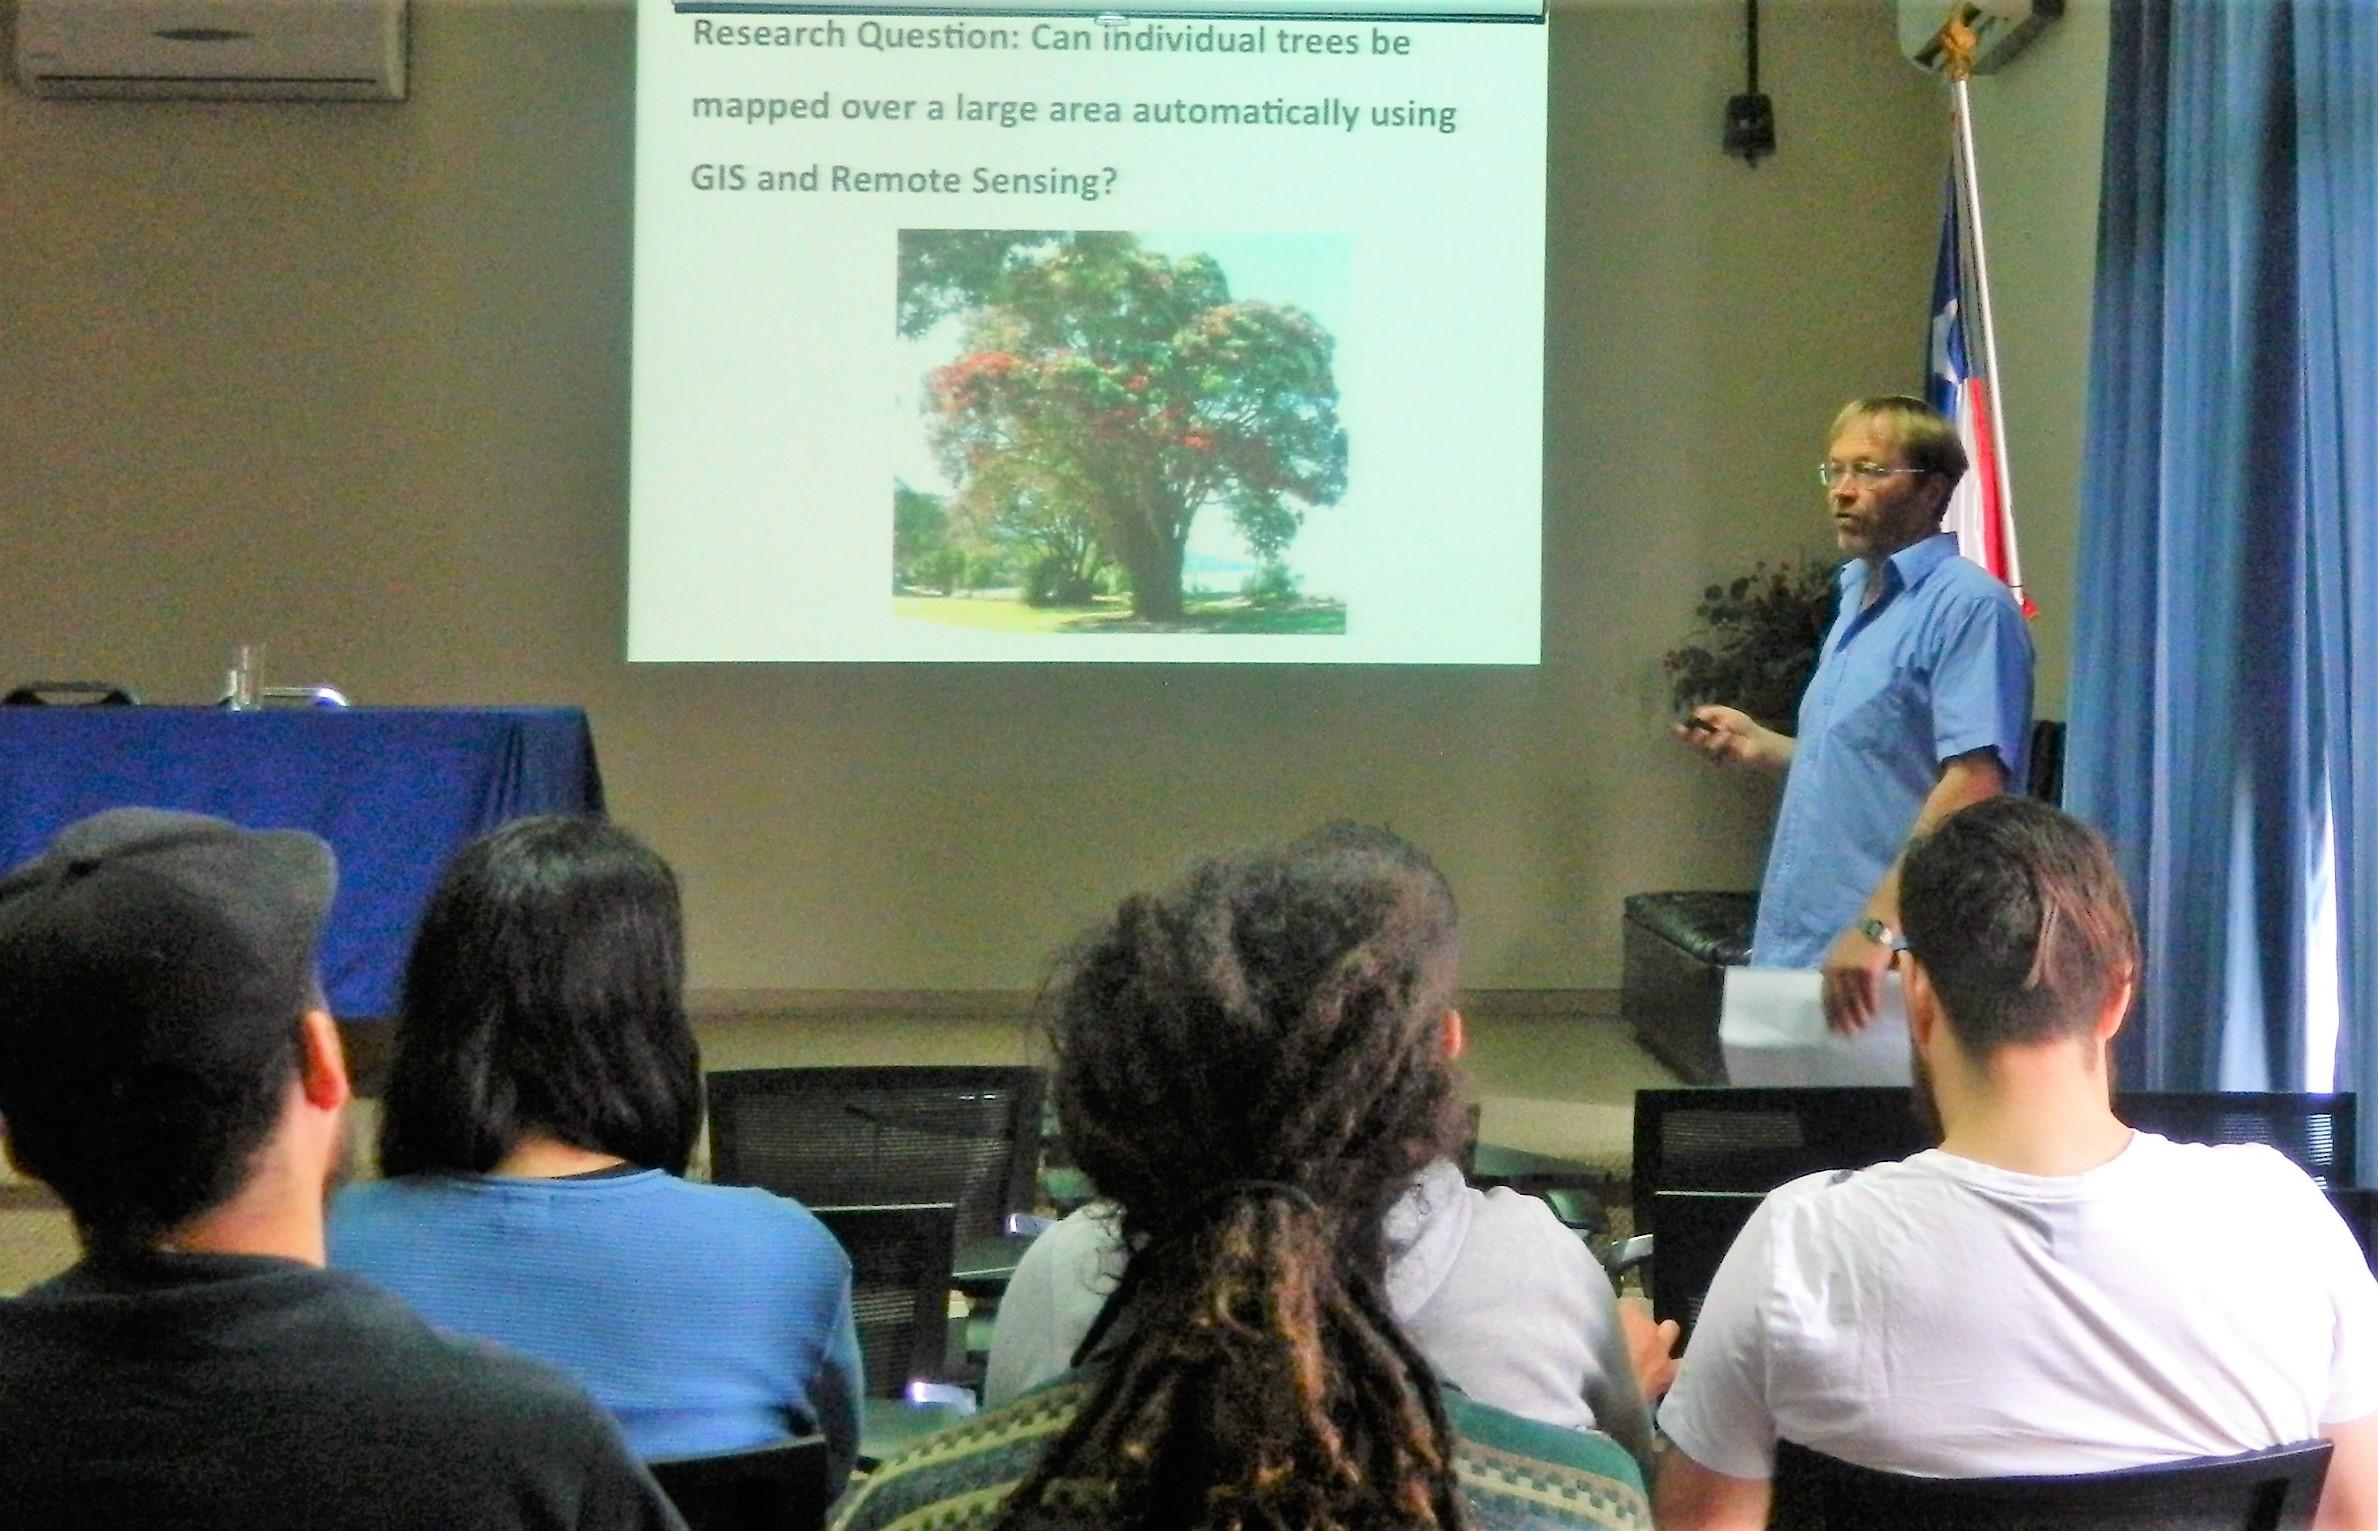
(2319, 1132)
(1576, 1193)
(1748, 1138)
(777, 1487)
(900, 1289)
(2358, 1206)
(1756, 1138)
(1696, 1228)
(2046, 780)
(850, 1137)
(2274, 1490)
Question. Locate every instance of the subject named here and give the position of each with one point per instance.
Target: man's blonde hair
(1924, 436)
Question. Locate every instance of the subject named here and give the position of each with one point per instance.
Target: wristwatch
(1880, 934)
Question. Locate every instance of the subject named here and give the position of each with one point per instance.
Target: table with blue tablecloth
(395, 790)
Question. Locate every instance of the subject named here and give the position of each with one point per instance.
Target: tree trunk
(1154, 560)
(1156, 584)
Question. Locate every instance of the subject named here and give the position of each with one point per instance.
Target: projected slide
(1019, 337)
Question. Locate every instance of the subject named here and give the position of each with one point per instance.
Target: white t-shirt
(1502, 1300)
(1941, 1317)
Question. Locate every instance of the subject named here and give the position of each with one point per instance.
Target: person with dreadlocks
(1253, 1067)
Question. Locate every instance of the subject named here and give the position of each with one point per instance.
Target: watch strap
(1880, 934)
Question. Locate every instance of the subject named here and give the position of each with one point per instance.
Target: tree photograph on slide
(1111, 442)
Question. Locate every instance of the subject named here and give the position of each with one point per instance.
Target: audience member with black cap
(168, 1068)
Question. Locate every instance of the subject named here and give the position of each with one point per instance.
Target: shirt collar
(1913, 563)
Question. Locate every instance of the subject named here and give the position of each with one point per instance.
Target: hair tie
(1166, 1244)
(1180, 1229)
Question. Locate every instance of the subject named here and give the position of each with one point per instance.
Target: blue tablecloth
(395, 790)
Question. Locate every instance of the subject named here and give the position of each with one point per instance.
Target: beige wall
(353, 380)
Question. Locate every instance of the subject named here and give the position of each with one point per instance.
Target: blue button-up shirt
(1938, 666)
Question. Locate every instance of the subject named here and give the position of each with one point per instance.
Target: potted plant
(1757, 641)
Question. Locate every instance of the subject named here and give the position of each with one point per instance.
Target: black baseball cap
(150, 938)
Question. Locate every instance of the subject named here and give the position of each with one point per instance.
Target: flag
(1980, 512)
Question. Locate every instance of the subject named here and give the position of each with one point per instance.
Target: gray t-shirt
(1503, 1301)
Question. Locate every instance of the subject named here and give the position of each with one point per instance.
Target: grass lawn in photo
(999, 611)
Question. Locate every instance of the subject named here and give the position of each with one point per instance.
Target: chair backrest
(848, 1137)
(2319, 1132)
(899, 1289)
(2358, 1206)
(2274, 1490)
(2047, 761)
(1756, 1138)
(1696, 1228)
(777, 1487)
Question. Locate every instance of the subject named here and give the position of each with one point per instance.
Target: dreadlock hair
(1253, 1067)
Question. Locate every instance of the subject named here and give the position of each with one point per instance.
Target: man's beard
(1922, 1098)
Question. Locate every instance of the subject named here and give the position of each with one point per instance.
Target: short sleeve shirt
(1937, 666)
(1946, 1318)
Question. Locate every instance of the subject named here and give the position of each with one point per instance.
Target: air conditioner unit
(2001, 28)
(270, 50)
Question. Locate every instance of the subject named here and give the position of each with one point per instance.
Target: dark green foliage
(1757, 641)
(1053, 581)
(920, 538)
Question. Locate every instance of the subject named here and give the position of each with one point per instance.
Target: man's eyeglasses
(1829, 473)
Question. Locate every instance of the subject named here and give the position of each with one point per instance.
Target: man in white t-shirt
(2042, 1293)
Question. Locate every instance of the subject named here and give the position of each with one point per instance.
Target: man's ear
(1456, 1038)
(2117, 1008)
(1923, 1000)
(322, 1062)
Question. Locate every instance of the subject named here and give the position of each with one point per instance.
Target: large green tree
(1124, 388)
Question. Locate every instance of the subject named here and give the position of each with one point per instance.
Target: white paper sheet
(1773, 1032)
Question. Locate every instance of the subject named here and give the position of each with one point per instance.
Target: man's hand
(1727, 736)
(1853, 976)
(1652, 1347)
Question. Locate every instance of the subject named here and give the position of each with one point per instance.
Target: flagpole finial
(1957, 44)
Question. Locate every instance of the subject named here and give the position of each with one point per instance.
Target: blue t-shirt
(1938, 666)
(705, 1318)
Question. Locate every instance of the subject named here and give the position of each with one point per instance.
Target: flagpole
(1958, 43)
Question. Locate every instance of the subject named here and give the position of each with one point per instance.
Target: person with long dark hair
(542, 1104)
(1253, 1067)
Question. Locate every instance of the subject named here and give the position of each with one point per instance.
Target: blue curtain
(2225, 673)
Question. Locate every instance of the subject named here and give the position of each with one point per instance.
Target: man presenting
(1921, 704)
(167, 1067)
(2037, 1295)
